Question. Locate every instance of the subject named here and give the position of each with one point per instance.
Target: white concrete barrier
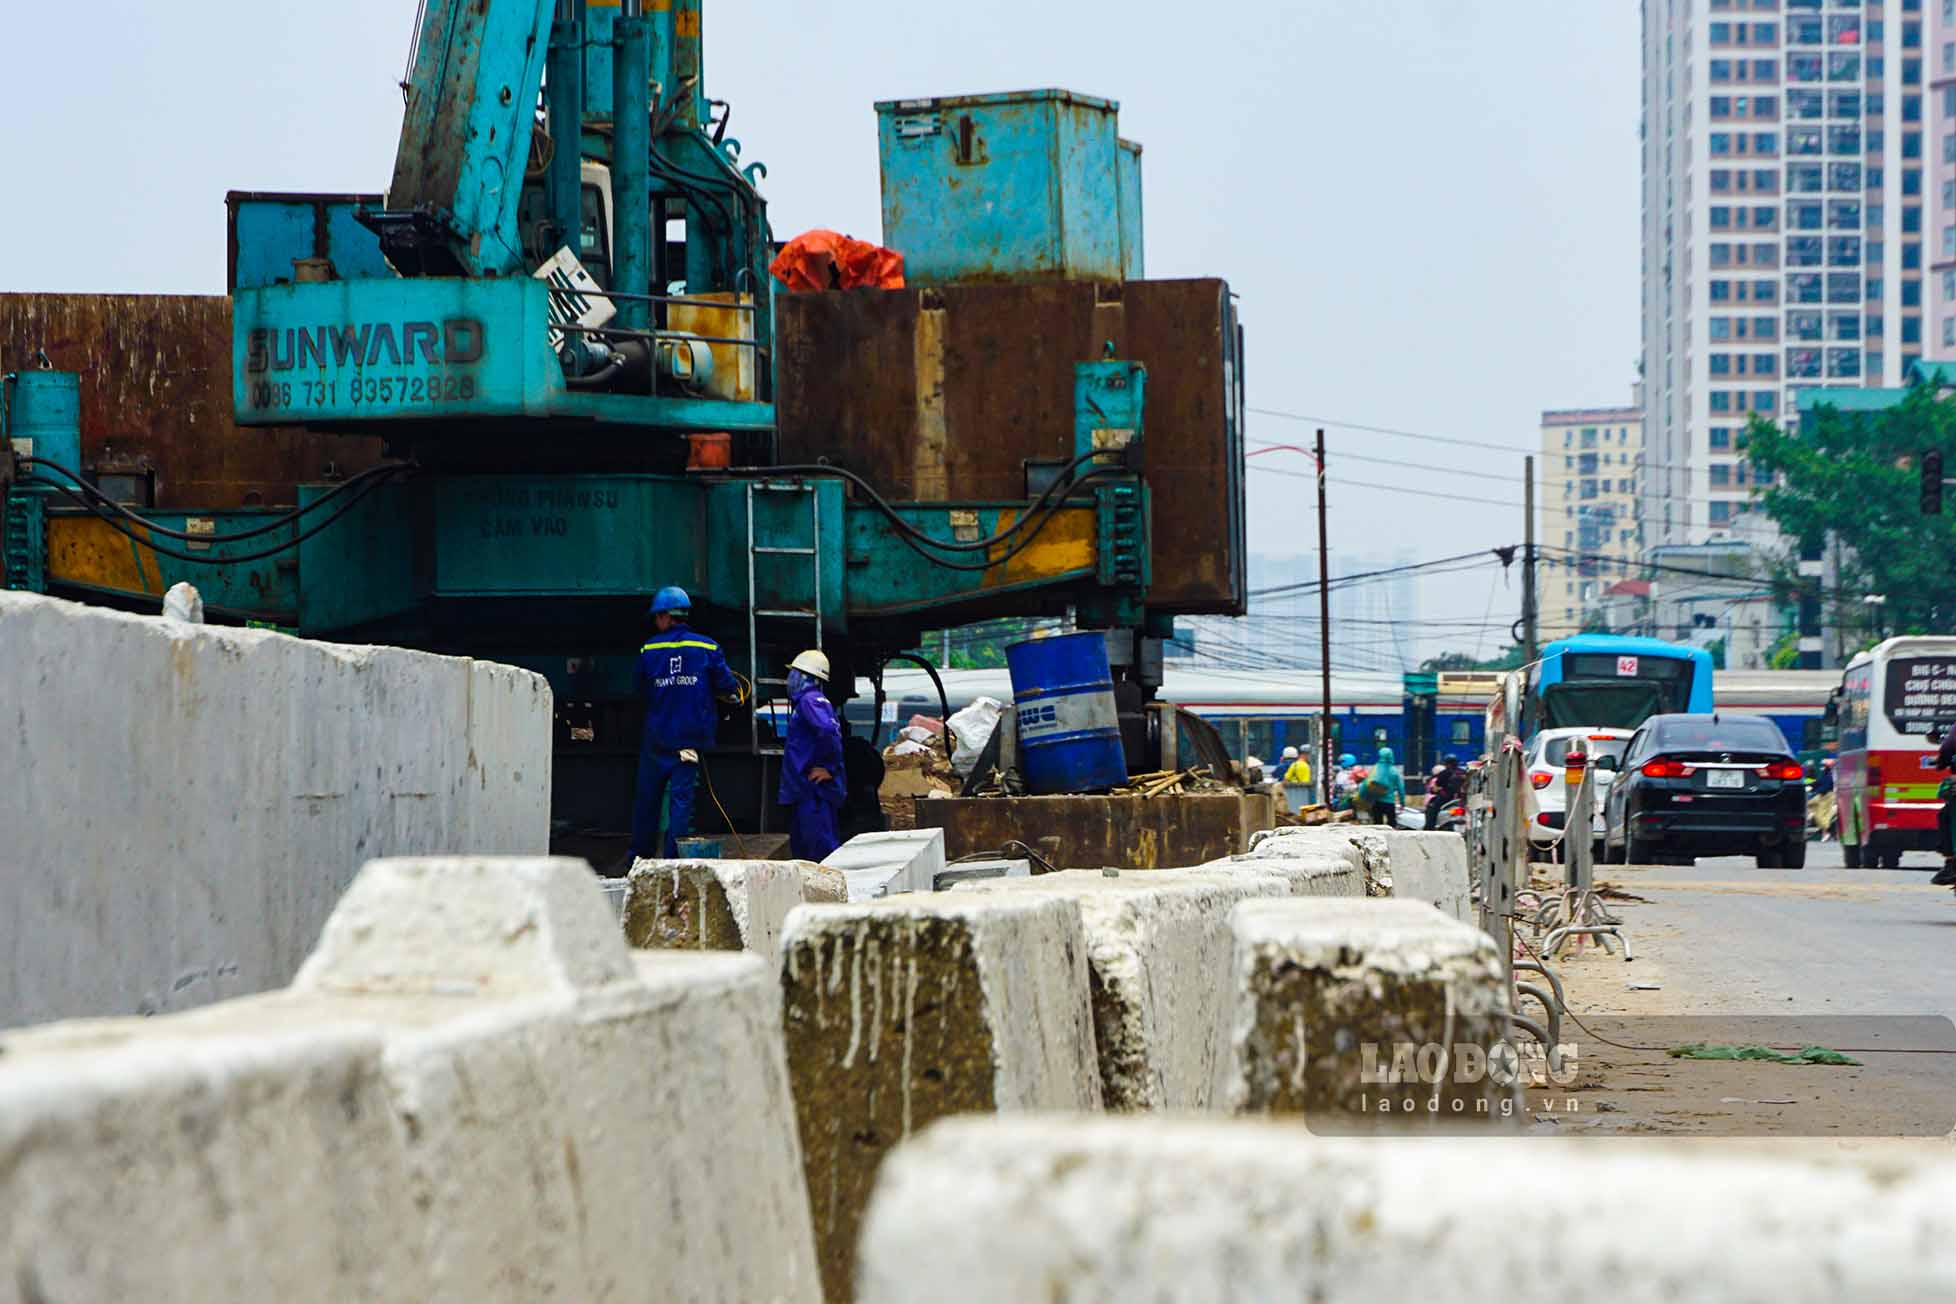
(1343, 1006)
(819, 883)
(183, 804)
(1429, 867)
(1321, 868)
(996, 1211)
(890, 864)
(902, 1011)
(473, 1092)
(711, 905)
(1159, 947)
(1432, 867)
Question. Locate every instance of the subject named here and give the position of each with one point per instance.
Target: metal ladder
(756, 613)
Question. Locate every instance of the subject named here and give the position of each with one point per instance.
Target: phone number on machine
(376, 391)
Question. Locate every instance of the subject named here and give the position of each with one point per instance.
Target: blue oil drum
(43, 416)
(1069, 731)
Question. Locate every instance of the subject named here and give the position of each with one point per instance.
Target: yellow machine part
(89, 551)
(1066, 546)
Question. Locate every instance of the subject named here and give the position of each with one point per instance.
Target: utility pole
(1325, 743)
(1530, 616)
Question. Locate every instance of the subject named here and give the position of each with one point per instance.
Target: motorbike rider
(1448, 786)
(1946, 762)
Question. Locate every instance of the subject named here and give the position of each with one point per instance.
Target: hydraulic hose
(1032, 536)
(1060, 482)
(208, 559)
(98, 500)
(943, 700)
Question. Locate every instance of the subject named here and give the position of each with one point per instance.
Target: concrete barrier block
(138, 1163)
(514, 1105)
(185, 804)
(1328, 993)
(1432, 867)
(465, 926)
(820, 884)
(902, 1011)
(711, 905)
(1159, 948)
(646, 1125)
(986, 1211)
(889, 864)
(1429, 867)
(1310, 871)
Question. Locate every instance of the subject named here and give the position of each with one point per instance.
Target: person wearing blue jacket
(680, 672)
(813, 784)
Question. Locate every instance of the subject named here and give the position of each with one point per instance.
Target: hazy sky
(1429, 207)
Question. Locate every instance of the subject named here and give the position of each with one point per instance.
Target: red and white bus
(1891, 702)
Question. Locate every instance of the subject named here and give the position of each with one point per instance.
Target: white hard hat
(1290, 753)
(812, 662)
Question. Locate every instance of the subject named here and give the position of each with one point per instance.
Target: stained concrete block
(1320, 868)
(819, 883)
(903, 1011)
(889, 864)
(476, 1093)
(142, 1160)
(995, 1211)
(1432, 867)
(184, 804)
(1159, 950)
(711, 905)
(1429, 867)
(1328, 992)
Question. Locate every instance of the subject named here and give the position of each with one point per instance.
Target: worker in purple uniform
(813, 785)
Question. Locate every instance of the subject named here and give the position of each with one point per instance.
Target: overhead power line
(1311, 586)
(1330, 424)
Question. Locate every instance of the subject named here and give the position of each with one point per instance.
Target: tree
(1457, 661)
(1855, 476)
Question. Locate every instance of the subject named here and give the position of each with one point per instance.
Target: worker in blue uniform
(813, 784)
(680, 672)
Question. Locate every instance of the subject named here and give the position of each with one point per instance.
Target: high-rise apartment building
(1790, 168)
(1939, 61)
(1586, 524)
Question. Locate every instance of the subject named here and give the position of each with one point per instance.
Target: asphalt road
(1729, 954)
(1819, 940)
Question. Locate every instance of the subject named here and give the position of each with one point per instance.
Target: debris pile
(1171, 783)
(914, 766)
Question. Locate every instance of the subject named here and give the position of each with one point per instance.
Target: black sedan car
(1707, 785)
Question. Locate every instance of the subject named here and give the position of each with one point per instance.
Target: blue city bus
(1607, 681)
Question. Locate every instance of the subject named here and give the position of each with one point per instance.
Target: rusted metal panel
(944, 394)
(1168, 832)
(156, 398)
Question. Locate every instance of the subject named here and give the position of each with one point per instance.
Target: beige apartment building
(1587, 530)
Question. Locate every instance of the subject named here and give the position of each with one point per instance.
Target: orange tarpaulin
(829, 260)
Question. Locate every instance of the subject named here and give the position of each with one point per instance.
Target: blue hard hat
(670, 600)
(1348, 759)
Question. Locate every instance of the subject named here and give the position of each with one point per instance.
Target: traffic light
(1932, 484)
